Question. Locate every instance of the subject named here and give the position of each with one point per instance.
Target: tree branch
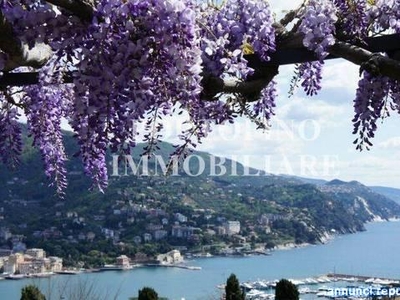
(82, 9)
(249, 89)
(18, 53)
(359, 56)
(8, 42)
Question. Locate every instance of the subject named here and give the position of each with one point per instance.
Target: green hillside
(150, 214)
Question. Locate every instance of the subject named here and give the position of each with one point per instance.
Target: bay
(372, 253)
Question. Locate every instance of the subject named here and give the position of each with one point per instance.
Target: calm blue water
(372, 253)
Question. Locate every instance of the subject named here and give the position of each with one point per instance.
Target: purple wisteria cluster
(36, 21)
(311, 75)
(45, 108)
(369, 106)
(385, 14)
(318, 26)
(10, 133)
(353, 20)
(143, 58)
(264, 107)
(138, 61)
(395, 95)
(238, 28)
(228, 29)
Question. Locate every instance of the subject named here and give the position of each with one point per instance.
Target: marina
(329, 286)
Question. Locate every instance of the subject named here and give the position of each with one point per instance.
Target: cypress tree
(147, 293)
(286, 290)
(232, 289)
(31, 292)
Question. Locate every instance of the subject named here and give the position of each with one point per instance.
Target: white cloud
(242, 138)
(280, 7)
(340, 74)
(391, 143)
(308, 110)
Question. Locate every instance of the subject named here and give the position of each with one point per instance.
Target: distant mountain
(306, 180)
(355, 196)
(391, 193)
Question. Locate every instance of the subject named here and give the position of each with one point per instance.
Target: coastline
(328, 237)
(179, 283)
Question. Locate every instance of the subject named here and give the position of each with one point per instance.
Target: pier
(348, 277)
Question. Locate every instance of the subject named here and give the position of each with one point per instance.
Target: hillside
(391, 193)
(150, 214)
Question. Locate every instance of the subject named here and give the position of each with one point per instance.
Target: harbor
(329, 286)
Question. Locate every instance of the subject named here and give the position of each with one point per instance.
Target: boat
(307, 290)
(370, 280)
(193, 268)
(247, 285)
(15, 276)
(68, 272)
(41, 275)
(116, 267)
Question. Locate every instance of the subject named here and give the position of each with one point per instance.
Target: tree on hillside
(286, 290)
(31, 292)
(147, 293)
(107, 66)
(232, 289)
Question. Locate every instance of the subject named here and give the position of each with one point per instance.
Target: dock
(348, 277)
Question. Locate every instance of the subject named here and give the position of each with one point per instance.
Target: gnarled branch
(359, 56)
(18, 53)
(82, 9)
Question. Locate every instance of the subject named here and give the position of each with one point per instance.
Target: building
(36, 253)
(147, 237)
(33, 263)
(172, 257)
(11, 266)
(5, 233)
(181, 218)
(160, 234)
(137, 240)
(56, 264)
(232, 227)
(123, 261)
(181, 231)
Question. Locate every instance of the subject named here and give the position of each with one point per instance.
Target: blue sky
(312, 136)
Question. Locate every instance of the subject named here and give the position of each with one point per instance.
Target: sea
(373, 253)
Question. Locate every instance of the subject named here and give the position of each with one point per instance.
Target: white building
(172, 257)
(35, 262)
(36, 253)
(181, 218)
(11, 266)
(232, 227)
(123, 261)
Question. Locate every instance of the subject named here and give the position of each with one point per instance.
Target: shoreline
(327, 238)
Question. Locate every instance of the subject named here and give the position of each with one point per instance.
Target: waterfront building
(32, 263)
(36, 252)
(172, 257)
(123, 261)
